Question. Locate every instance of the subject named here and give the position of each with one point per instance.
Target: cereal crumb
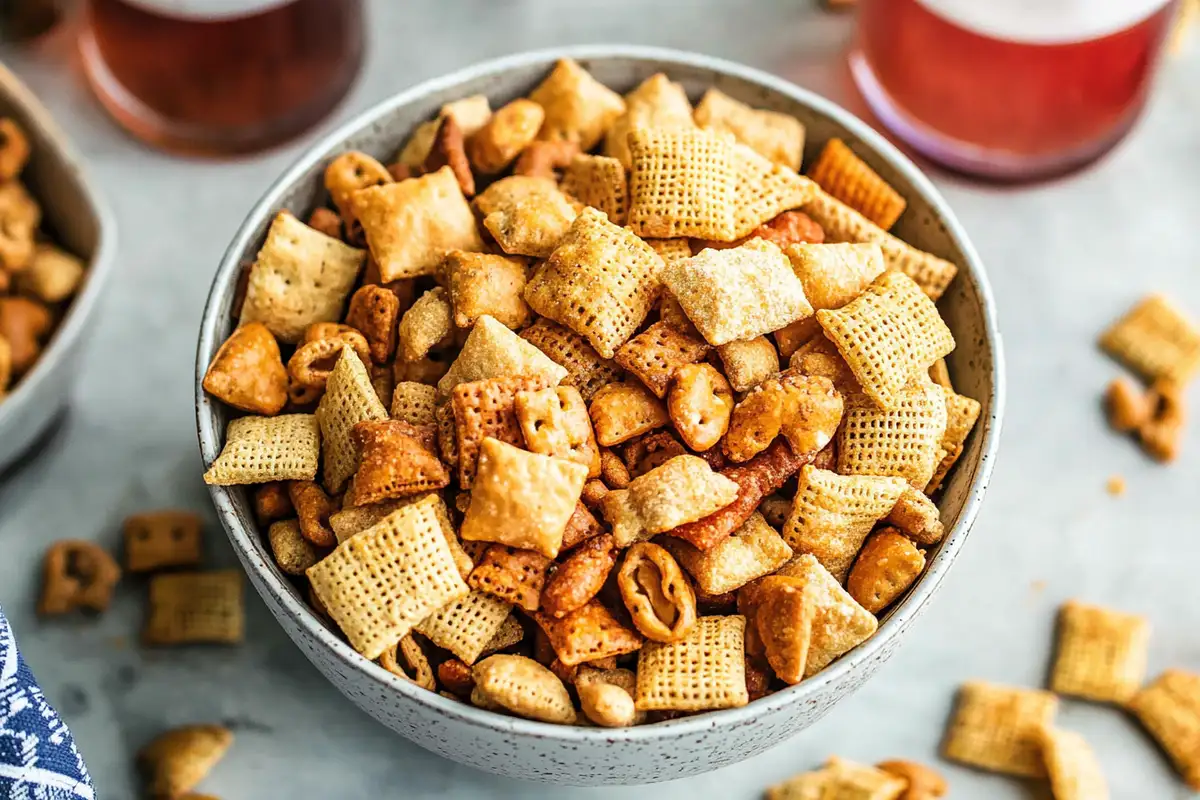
(1115, 485)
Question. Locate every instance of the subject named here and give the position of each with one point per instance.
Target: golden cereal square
(1102, 653)
(578, 107)
(522, 499)
(841, 173)
(832, 275)
(888, 335)
(526, 215)
(299, 277)
(764, 190)
(833, 514)
(682, 183)
(1074, 770)
(1156, 340)
(738, 293)
(961, 415)
(410, 225)
(752, 551)
(775, 136)
(485, 409)
(903, 443)
(494, 351)
(483, 283)
(657, 102)
(848, 780)
(601, 282)
(588, 633)
(657, 353)
(348, 400)
(466, 626)
(839, 623)
(999, 728)
(381, 582)
(599, 182)
(671, 250)
(704, 671)
(682, 490)
(265, 449)
(1169, 709)
(195, 607)
(843, 224)
(414, 403)
(586, 370)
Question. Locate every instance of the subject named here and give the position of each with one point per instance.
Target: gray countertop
(1064, 257)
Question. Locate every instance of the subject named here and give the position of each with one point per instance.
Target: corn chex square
(888, 335)
(657, 353)
(265, 449)
(999, 728)
(1102, 653)
(195, 607)
(905, 442)
(466, 626)
(349, 399)
(657, 102)
(1156, 340)
(839, 171)
(586, 370)
(703, 671)
(601, 281)
(738, 293)
(682, 183)
(764, 190)
(383, 581)
(1169, 709)
(1073, 768)
(776, 136)
(599, 182)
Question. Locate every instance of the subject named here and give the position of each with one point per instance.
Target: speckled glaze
(577, 755)
(80, 221)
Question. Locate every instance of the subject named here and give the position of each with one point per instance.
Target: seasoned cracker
(683, 183)
(904, 442)
(601, 281)
(193, 607)
(775, 136)
(1169, 708)
(494, 351)
(511, 574)
(349, 399)
(748, 362)
(739, 293)
(588, 633)
(265, 449)
(1156, 340)
(657, 102)
(841, 173)
(832, 275)
(888, 335)
(396, 460)
(703, 671)
(999, 728)
(247, 372)
(621, 411)
(555, 422)
(783, 617)
(886, 566)
(1102, 654)
(300, 276)
(753, 550)
(682, 490)
(177, 760)
(526, 215)
(917, 517)
(839, 623)
(482, 283)
(425, 325)
(578, 107)
(485, 409)
(383, 581)
(1074, 770)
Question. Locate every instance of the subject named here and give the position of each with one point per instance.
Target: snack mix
(37, 278)
(593, 409)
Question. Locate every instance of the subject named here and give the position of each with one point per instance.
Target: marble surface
(1065, 258)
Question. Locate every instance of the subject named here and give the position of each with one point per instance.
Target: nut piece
(454, 675)
(578, 579)
(923, 782)
(1162, 433)
(659, 598)
(179, 759)
(887, 565)
(506, 134)
(1128, 409)
(606, 704)
(700, 404)
(524, 687)
(805, 409)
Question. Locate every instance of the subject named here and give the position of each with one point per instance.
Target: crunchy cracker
(578, 107)
(177, 760)
(526, 215)
(410, 225)
(886, 566)
(832, 275)
(704, 671)
(192, 607)
(783, 619)
(375, 310)
(1169, 708)
(467, 625)
(300, 276)
(917, 517)
(1102, 654)
(599, 182)
(833, 514)
(683, 183)
(425, 325)
(158, 539)
(839, 623)
(888, 336)
(554, 422)
(657, 102)
(588, 633)
(586, 370)
(1156, 340)
(621, 411)
(348, 173)
(265, 449)
(493, 351)
(738, 293)
(904, 442)
(998, 728)
(482, 283)
(655, 354)
(753, 550)
(764, 190)
(396, 460)
(601, 281)
(841, 173)
(580, 576)
(522, 499)
(349, 399)
(1074, 770)
(511, 574)
(543, 159)
(383, 581)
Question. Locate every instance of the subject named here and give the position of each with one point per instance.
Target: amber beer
(221, 76)
(1009, 88)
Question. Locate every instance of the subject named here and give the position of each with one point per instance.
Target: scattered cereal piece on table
(999, 728)
(176, 761)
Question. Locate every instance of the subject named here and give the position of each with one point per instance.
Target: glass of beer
(1009, 89)
(221, 76)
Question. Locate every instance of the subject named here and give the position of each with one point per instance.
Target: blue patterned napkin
(38, 759)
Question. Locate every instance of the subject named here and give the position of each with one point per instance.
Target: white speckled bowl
(81, 222)
(577, 755)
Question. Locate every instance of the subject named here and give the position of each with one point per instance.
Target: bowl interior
(927, 223)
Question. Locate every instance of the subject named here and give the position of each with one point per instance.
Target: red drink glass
(1009, 89)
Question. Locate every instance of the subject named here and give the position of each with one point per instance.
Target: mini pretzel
(313, 361)
(348, 173)
(418, 669)
(659, 598)
(77, 574)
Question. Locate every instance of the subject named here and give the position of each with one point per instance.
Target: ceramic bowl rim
(892, 628)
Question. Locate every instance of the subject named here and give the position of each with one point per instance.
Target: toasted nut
(1128, 408)
(578, 579)
(758, 676)
(456, 676)
(524, 687)
(887, 565)
(606, 704)
(312, 362)
(659, 598)
(293, 553)
(326, 221)
(923, 782)
(506, 134)
(593, 492)
(613, 471)
(700, 404)
(271, 502)
(1162, 433)
(25, 324)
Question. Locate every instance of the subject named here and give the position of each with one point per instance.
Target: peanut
(607, 705)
